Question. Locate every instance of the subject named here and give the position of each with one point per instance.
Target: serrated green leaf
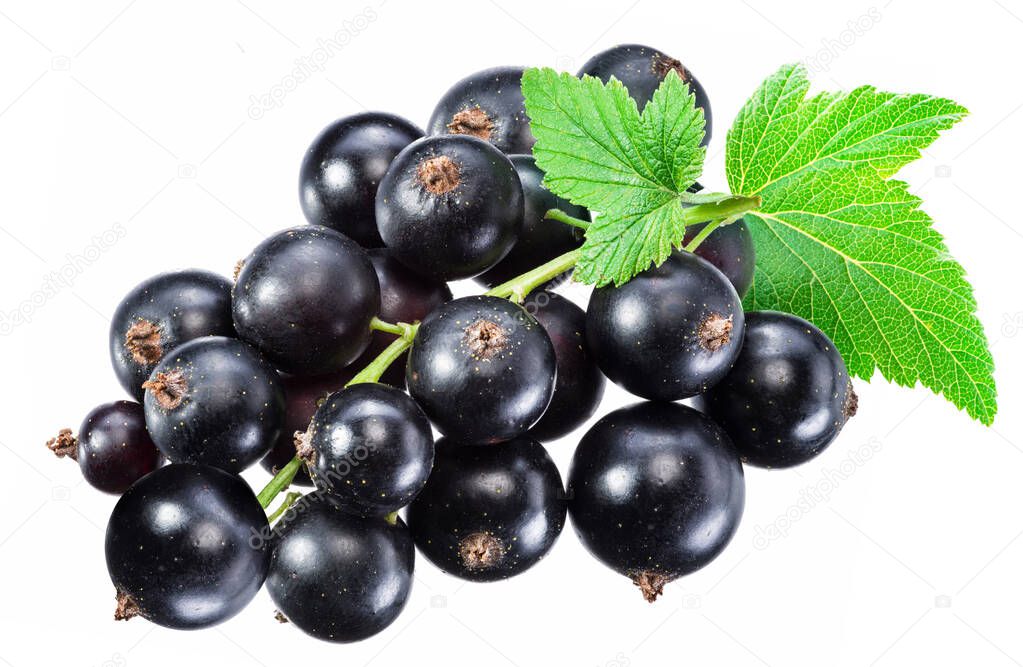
(599, 152)
(842, 245)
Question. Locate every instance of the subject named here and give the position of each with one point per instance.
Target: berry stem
(279, 482)
(517, 288)
(288, 501)
(708, 230)
(377, 324)
(561, 216)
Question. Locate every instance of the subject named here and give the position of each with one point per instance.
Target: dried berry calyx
(65, 444)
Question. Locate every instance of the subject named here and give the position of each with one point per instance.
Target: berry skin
(183, 547)
(642, 69)
(342, 168)
(214, 401)
(336, 576)
(113, 447)
(371, 447)
(305, 298)
(541, 240)
(669, 333)
(161, 313)
(405, 296)
(302, 395)
(489, 513)
(450, 207)
(788, 394)
(730, 250)
(579, 384)
(657, 492)
(482, 369)
(487, 105)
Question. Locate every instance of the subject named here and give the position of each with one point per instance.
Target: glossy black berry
(113, 447)
(336, 576)
(405, 296)
(489, 513)
(730, 250)
(302, 395)
(487, 105)
(186, 547)
(305, 298)
(642, 69)
(161, 313)
(343, 167)
(450, 207)
(579, 384)
(215, 401)
(788, 394)
(482, 369)
(657, 491)
(541, 239)
(371, 447)
(669, 333)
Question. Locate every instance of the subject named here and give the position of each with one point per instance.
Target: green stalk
(561, 216)
(288, 501)
(517, 288)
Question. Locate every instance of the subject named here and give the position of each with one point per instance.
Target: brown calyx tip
(480, 551)
(279, 617)
(438, 174)
(64, 444)
(651, 584)
(715, 331)
(473, 121)
(142, 340)
(304, 446)
(168, 388)
(852, 403)
(485, 339)
(126, 609)
(662, 64)
(238, 268)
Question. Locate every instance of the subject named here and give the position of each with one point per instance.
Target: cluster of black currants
(298, 364)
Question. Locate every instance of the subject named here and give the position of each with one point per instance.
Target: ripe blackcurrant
(487, 105)
(482, 369)
(215, 401)
(371, 447)
(337, 576)
(450, 207)
(788, 394)
(579, 384)
(405, 296)
(657, 491)
(489, 513)
(186, 547)
(541, 239)
(305, 298)
(113, 447)
(161, 313)
(730, 250)
(642, 69)
(669, 333)
(342, 168)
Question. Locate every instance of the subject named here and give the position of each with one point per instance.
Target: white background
(129, 145)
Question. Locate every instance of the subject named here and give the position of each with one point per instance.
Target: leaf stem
(561, 216)
(732, 206)
(517, 288)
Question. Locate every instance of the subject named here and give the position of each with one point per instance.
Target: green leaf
(599, 152)
(841, 244)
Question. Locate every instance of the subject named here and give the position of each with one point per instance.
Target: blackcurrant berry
(302, 395)
(450, 207)
(642, 69)
(187, 547)
(215, 401)
(113, 447)
(161, 313)
(487, 105)
(305, 298)
(541, 239)
(730, 250)
(342, 168)
(482, 369)
(669, 333)
(489, 513)
(336, 576)
(657, 491)
(579, 384)
(405, 296)
(788, 394)
(371, 447)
